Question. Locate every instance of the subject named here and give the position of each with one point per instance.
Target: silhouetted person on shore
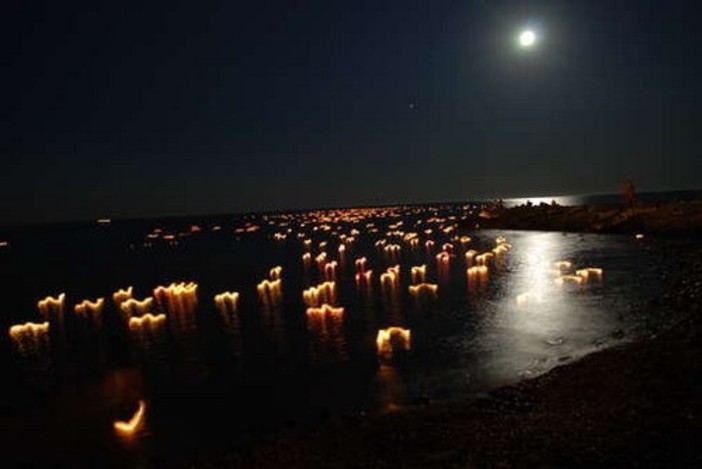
(629, 193)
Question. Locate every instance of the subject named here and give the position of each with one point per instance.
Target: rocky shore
(674, 217)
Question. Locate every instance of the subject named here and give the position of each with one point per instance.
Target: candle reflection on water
(325, 333)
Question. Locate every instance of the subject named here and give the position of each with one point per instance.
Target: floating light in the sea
(590, 272)
(429, 245)
(640, 236)
(419, 273)
(147, 322)
(447, 247)
(275, 272)
(330, 271)
(477, 276)
(423, 289)
(321, 259)
(51, 307)
(30, 338)
(482, 259)
(392, 339)
(134, 424)
(133, 307)
(443, 258)
(464, 240)
(179, 299)
(391, 277)
(361, 264)
(269, 291)
(227, 302)
(122, 295)
(563, 265)
(470, 256)
(364, 279)
(91, 310)
(322, 293)
(325, 310)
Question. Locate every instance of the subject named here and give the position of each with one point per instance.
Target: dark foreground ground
(639, 404)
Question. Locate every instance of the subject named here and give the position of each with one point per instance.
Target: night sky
(133, 109)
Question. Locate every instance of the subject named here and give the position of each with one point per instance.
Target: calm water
(267, 367)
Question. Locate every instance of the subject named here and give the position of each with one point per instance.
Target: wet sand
(638, 404)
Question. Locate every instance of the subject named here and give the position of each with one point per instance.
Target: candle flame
(134, 424)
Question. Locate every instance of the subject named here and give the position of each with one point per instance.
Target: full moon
(527, 38)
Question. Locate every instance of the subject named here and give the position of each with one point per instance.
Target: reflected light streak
(393, 339)
(134, 424)
(419, 273)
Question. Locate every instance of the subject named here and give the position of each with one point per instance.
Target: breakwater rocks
(683, 217)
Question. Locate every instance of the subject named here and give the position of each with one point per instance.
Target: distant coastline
(607, 199)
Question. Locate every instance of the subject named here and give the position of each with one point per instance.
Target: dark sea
(214, 378)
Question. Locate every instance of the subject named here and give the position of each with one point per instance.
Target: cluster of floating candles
(399, 239)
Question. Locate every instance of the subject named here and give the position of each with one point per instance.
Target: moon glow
(527, 38)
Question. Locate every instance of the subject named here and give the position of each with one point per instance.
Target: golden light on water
(91, 310)
(361, 263)
(364, 279)
(121, 295)
(590, 273)
(391, 277)
(132, 426)
(147, 321)
(269, 291)
(317, 295)
(393, 339)
(227, 303)
(423, 290)
(134, 307)
(470, 256)
(325, 310)
(419, 273)
(52, 307)
(275, 273)
(30, 338)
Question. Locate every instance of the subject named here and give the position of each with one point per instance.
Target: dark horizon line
(34, 224)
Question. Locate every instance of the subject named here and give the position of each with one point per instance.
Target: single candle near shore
(132, 426)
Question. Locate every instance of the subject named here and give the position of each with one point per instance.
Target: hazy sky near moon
(128, 109)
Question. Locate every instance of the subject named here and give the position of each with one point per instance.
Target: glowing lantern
(393, 339)
(133, 425)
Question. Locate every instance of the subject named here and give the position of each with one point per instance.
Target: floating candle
(393, 339)
(134, 424)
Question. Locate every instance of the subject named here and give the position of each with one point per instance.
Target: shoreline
(637, 403)
(633, 404)
(684, 217)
